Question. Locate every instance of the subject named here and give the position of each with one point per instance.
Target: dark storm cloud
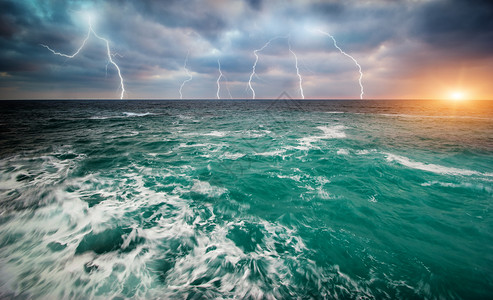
(459, 26)
(328, 9)
(192, 14)
(255, 4)
(153, 38)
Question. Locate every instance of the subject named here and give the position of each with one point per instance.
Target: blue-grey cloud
(458, 26)
(394, 40)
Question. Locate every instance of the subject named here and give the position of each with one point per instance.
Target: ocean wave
(277, 152)
(252, 133)
(104, 117)
(232, 156)
(329, 132)
(205, 188)
(343, 152)
(209, 147)
(432, 167)
(365, 151)
(134, 114)
(216, 133)
(175, 249)
(123, 115)
(468, 185)
(27, 181)
(296, 178)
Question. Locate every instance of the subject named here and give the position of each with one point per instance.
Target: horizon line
(243, 99)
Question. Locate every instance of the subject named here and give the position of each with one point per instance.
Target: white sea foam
(474, 186)
(432, 167)
(292, 177)
(123, 115)
(322, 193)
(23, 177)
(210, 147)
(197, 246)
(232, 156)
(217, 250)
(322, 180)
(205, 188)
(103, 117)
(363, 152)
(134, 114)
(69, 220)
(272, 153)
(329, 132)
(343, 152)
(216, 133)
(253, 133)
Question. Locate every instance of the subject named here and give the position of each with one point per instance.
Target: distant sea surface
(275, 199)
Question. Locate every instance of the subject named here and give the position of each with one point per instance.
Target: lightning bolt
(227, 88)
(255, 64)
(113, 54)
(352, 58)
(188, 73)
(297, 69)
(218, 79)
(110, 55)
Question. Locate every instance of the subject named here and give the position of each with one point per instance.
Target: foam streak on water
(246, 200)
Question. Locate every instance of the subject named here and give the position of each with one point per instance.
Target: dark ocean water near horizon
(271, 199)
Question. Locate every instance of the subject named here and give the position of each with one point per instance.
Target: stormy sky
(406, 49)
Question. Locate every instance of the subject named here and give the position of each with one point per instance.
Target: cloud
(393, 40)
(459, 27)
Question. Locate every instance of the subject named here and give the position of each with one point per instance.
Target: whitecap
(342, 152)
(216, 133)
(292, 177)
(329, 132)
(272, 153)
(102, 117)
(232, 156)
(323, 194)
(205, 188)
(364, 151)
(432, 167)
(475, 186)
(134, 114)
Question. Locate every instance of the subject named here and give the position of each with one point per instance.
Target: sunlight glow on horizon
(457, 95)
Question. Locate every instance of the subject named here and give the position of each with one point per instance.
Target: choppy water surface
(246, 199)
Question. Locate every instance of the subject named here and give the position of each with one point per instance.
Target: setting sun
(457, 95)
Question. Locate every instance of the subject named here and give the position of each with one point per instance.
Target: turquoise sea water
(246, 199)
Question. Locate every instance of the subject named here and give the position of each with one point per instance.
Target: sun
(457, 95)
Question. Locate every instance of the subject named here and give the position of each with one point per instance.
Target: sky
(407, 49)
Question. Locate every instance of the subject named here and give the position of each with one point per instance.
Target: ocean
(246, 199)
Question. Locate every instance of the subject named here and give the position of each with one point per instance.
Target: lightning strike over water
(352, 58)
(218, 79)
(227, 87)
(190, 77)
(110, 55)
(255, 63)
(297, 70)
